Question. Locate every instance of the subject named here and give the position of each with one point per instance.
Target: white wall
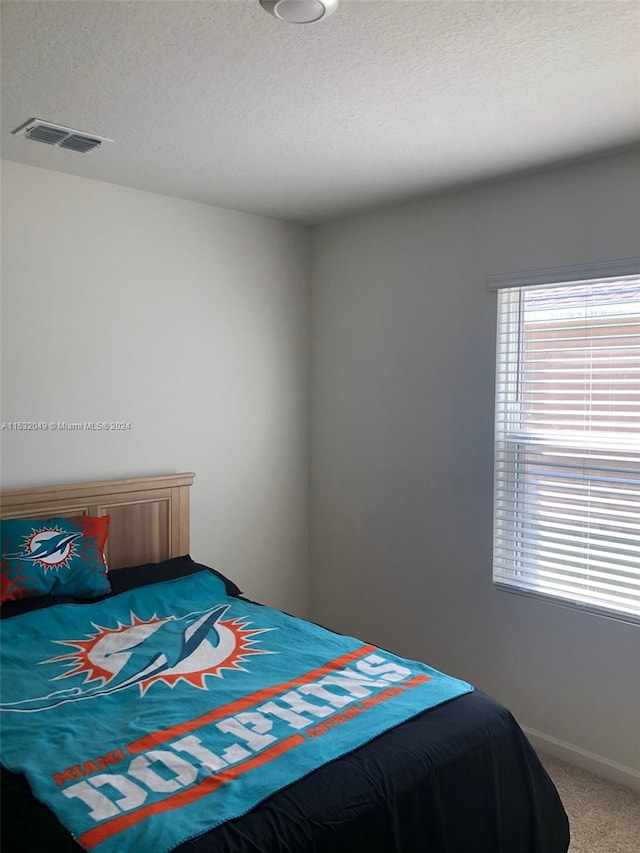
(191, 322)
(403, 360)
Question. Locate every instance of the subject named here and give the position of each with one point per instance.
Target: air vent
(76, 142)
(38, 130)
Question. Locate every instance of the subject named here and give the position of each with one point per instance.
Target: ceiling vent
(38, 130)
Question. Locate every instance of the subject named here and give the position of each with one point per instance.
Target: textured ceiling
(220, 103)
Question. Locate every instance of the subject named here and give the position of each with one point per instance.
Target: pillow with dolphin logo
(53, 556)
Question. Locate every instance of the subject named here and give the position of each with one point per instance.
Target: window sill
(591, 610)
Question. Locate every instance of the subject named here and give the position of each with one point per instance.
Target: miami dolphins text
(170, 761)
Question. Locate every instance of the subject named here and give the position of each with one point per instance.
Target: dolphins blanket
(151, 717)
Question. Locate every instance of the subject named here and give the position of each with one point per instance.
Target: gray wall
(403, 360)
(192, 323)
(189, 321)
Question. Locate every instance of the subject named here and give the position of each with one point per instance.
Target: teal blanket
(148, 718)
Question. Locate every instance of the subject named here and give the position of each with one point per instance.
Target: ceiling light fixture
(299, 11)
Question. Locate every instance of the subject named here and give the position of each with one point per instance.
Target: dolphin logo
(165, 646)
(178, 639)
(47, 546)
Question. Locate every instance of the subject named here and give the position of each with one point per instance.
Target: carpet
(604, 817)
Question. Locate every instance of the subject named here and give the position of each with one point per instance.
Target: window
(567, 437)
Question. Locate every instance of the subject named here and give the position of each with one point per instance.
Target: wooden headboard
(149, 515)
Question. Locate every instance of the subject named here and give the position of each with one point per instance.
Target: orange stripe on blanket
(417, 680)
(156, 738)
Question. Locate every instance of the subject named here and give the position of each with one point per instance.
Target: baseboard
(598, 764)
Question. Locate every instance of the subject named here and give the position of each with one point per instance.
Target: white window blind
(567, 442)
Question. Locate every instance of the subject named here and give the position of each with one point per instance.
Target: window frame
(567, 275)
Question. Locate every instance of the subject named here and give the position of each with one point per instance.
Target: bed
(459, 777)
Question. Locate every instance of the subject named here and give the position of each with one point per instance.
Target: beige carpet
(604, 817)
